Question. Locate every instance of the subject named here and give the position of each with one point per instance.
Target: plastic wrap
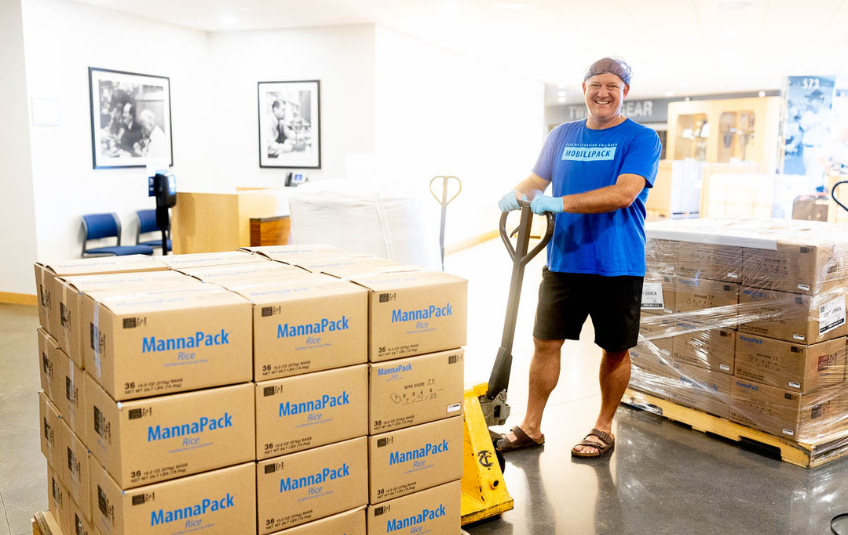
(750, 325)
(395, 223)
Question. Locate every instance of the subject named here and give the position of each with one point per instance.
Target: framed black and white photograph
(130, 119)
(290, 124)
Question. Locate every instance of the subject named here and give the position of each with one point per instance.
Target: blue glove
(509, 202)
(543, 203)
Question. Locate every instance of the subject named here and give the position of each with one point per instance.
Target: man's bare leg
(544, 374)
(614, 377)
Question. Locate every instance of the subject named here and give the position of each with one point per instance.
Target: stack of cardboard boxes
(235, 394)
(754, 323)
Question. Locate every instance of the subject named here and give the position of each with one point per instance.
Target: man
(815, 124)
(156, 146)
(278, 137)
(601, 168)
(130, 138)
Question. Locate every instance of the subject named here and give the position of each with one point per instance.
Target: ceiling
(683, 47)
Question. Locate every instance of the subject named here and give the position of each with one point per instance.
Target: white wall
(441, 113)
(17, 241)
(342, 57)
(62, 40)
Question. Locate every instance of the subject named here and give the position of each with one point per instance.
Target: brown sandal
(522, 440)
(606, 443)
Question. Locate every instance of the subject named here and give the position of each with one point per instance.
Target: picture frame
(289, 124)
(130, 119)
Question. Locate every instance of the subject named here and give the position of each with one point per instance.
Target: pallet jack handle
(444, 201)
(499, 379)
(833, 194)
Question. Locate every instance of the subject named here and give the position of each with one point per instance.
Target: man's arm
(607, 199)
(531, 186)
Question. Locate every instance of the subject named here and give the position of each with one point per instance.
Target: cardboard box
(793, 317)
(79, 524)
(307, 411)
(345, 268)
(74, 469)
(661, 257)
(71, 335)
(701, 389)
(292, 254)
(51, 434)
(436, 510)
(347, 523)
(221, 502)
(701, 294)
(658, 294)
(47, 349)
(713, 349)
(306, 325)
(790, 366)
(790, 415)
(239, 272)
(803, 262)
(415, 313)
(312, 484)
(225, 258)
(659, 331)
(416, 458)
(59, 501)
(415, 390)
(69, 392)
(155, 439)
(48, 291)
(710, 261)
(161, 343)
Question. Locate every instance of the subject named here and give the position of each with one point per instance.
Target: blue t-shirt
(578, 159)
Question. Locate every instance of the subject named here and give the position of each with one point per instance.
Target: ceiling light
(561, 85)
(512, 6)
(669, 93)
(761, 94)
(561, 100)
(560, 93)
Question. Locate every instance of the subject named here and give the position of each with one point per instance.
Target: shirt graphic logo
(588, 153)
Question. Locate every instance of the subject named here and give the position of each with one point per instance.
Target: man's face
(126, 116)
(814, 104)
(604, 94)
(280, 112)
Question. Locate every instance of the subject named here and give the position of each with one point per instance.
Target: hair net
(614, 66)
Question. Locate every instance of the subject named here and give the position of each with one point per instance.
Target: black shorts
(613, 303)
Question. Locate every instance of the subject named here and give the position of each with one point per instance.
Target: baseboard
(9, 298)
(471, 242)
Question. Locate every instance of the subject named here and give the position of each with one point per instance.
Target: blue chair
(147, 223)
(99, 226)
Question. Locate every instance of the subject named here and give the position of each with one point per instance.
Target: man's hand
(509, 202)
(544, 203)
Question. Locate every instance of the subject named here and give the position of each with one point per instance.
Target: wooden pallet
(40, 524)
(803, 455)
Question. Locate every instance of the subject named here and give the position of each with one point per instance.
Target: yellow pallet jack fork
(484, 493)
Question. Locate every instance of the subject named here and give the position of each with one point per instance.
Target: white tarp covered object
(395, 222)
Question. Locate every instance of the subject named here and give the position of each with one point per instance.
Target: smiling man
(600, 169)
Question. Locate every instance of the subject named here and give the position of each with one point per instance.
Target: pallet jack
(484, 492)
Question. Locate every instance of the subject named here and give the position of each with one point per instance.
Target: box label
(652, 296)
(831, 315)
